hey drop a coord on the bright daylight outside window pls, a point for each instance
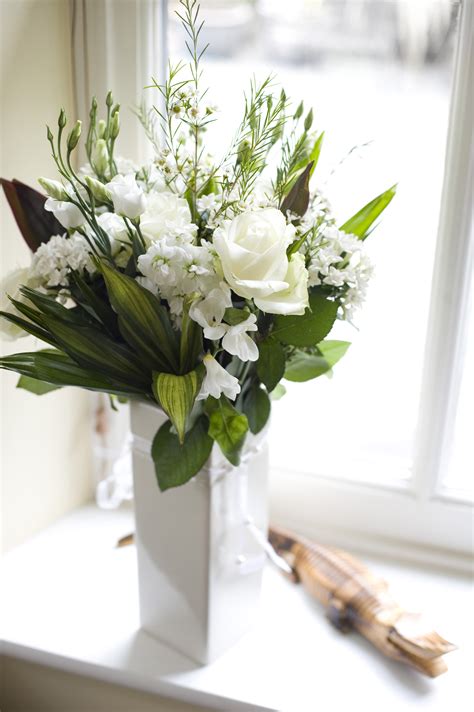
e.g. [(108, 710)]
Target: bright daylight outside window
[(378, 75)]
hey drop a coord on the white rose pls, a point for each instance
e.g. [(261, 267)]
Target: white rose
[(10, 287), (166, 215), (127, 197), (252, 249), (293, 299), (66, 213)]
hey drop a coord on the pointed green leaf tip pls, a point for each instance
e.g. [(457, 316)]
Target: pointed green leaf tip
[(176, 395), (360, 223)]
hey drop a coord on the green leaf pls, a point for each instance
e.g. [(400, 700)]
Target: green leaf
[(58, 369), (271, 362), (143, 321), (190, 347), (176, 395), (316, 152), (257, 408), (92, 349), (234, 316), (27, 325), (304, 366), (227, 427), (310, 328), (333, 351), (360, 223), (91, 302), (175, 464), (278, 392), (33, 385), (297, 200)]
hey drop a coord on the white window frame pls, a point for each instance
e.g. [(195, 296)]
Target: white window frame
[(417, 519)]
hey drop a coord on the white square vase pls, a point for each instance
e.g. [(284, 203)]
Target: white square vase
[(199, 560)]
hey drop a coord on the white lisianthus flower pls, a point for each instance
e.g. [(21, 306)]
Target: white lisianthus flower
[(66, 213), (209, 312), (127, 197), (167, 215), (217, 381), (252, 249), (294, 298), (10, 287), (238, 343), (116, 230)]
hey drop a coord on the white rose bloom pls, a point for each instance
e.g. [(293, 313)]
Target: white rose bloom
[(66, 213), (252, 248), (127, 196), (217, 381), (294, 298), (167, 215), (238, 343), (10, 287), (209, 312)]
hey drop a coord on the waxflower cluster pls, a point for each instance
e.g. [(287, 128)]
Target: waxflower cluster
[(218, 276)]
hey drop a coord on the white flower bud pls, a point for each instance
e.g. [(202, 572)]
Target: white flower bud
[(53, 188)]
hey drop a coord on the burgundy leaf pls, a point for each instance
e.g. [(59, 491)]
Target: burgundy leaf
[(27, 205)]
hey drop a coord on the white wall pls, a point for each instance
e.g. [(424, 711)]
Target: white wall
[(45, 443)]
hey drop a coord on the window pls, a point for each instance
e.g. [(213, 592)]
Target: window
[(379, 453)]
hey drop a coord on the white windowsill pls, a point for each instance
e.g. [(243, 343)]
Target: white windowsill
[(69, 601)]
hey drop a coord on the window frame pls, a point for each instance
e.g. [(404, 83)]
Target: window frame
[(416, 519)]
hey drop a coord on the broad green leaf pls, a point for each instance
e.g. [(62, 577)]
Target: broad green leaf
[(48, 306), (333, 351), (33, 385), (278, 392), (190, 346), (310, 328), (175, 464), (176, 395), (234, 316), (143, 321), (304, 366), (227, 427), (297, 200), (58, 369), (360, 223), (257, 408), (271, 362)]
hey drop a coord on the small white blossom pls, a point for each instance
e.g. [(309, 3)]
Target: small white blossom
[(238, 343), (210, 311), (53, 260), (217, 381)]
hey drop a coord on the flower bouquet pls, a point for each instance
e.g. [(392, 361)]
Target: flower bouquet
[(190, 284)]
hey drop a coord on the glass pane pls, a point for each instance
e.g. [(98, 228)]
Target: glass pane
[(459, 479), (378, 75)]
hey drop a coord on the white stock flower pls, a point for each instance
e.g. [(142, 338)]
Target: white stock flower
[(209, 312), (127, 196), (252, 249), (167, 215), (217, 381), (294, 298), (10, 287), (53, 260), (238, 343), (66, 213)]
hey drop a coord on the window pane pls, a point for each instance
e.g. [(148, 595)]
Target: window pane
[(378, 75), (459, 478)]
